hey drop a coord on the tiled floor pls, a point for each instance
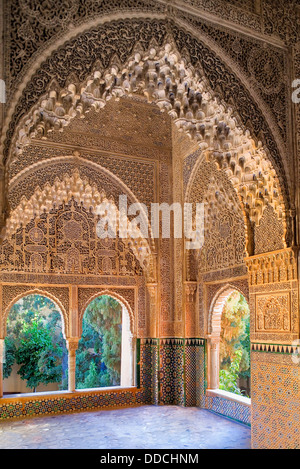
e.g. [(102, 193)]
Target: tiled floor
[(146, 427)]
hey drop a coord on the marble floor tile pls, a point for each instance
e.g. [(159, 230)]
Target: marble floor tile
[(147, 427)]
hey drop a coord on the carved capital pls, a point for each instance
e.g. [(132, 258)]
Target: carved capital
[(214, 342), (152, 289), (72, 344), (190, 292), (2, 350), (272, 267)]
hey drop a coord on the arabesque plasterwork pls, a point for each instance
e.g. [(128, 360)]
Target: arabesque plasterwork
[(185, 101)]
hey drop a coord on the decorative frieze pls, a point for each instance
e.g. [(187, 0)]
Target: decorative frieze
[(272, 267), (274, 302)]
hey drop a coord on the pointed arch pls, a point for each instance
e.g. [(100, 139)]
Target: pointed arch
[(180, 89), (46, 294), (182, 33), (217, 306), (119, 298), (83, 191)]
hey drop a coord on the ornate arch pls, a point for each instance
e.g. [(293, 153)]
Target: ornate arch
[(181, 90), (117, 297), (36, 291), (217, 306), (158, 74), (254, 180), (196, 47), (224, 224), (82, 190)]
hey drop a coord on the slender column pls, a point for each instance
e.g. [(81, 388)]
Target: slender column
[(133, 359), (72, 344), (2, 197), (214, 362), (2, 357), (152, 291), (190, 309), (127, 353)]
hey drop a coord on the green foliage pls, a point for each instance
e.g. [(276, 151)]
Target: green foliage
[(100, 345), (35, 342), (92, 378), (235, 337), (89, 349), (229, 377), (35, 355), (245, 344), (10, 356)]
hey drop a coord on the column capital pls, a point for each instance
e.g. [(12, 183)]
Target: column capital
[(2, 357), (152, 288), (190, 290), (72, 343), (213, 340), (2, 349)]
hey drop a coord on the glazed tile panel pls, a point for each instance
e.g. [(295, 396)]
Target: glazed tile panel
[(194, 373), (233, 410), (171, 354), (170, 372), (275, 401), (149, 370), (63, 403)]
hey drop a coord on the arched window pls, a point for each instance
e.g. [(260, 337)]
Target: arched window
[(105, 351), (234, 373), (229, 343), (35, 356)]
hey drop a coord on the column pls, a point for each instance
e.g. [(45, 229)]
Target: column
[(72, 344), (127, 351), (2, 195), (2, 358), (152, 323), (190, 309), (213, 362), (132, 345)]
